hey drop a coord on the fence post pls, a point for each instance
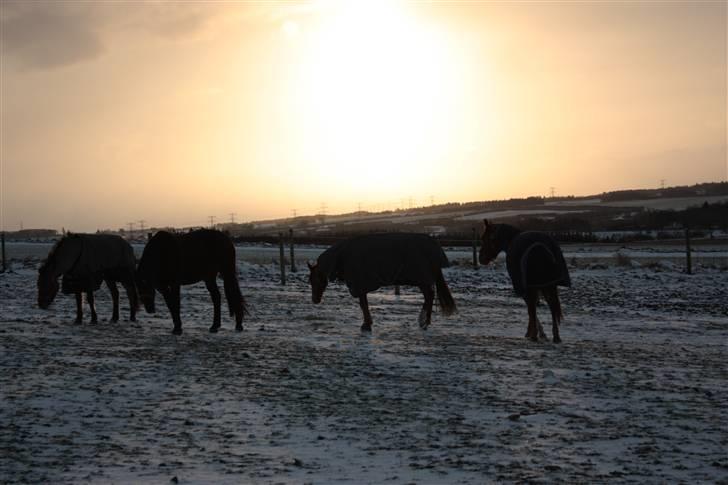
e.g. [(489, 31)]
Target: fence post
[(283, 258), (475, 250), (688, 256), (293, 258), (396, 290), (5, 266)]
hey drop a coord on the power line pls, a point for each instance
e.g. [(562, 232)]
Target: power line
[(552, 191), (232, 217), (141, 225), (212, 220)]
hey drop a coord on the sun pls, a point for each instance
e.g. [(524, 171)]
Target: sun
[(376, 91)]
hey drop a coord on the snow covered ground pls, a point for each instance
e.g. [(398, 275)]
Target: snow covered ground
[(637, 392)]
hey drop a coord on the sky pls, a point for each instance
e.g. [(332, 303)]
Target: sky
[(171, 112)]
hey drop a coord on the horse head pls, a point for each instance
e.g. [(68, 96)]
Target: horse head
[(318, 280), (47, 285), (490, 246), (146, 292)]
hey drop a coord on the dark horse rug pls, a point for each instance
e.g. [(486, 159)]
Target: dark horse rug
[(100, 256), (367, 263), (534, 260)]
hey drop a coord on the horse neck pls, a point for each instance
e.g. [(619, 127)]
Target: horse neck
[(327, 261), (66, 255), (506, 234)]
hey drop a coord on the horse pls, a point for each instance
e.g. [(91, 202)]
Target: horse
[(84, 261), (366, 263), (536, 266), (172, 260)]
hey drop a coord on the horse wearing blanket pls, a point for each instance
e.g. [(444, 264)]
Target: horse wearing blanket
[(535, 264), (84, 261), (366, 263)]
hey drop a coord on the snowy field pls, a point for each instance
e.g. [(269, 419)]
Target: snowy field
[(636, 393)]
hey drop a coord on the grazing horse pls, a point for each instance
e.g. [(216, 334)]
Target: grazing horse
[(172, 260), (84, 261), (535, 264), (366, 263)]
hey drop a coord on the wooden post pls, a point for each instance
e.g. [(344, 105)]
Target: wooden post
[(396, 290), (688, 256), (5, 266), (475, 250), (293, 258), (283, 258)]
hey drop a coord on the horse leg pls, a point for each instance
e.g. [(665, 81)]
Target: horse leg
[(90, 298), (551, 294), (171, 298), (114, 298), (364, 304), (211, 285), (426, 312), (79, 308), (131, 294), (531, 301)]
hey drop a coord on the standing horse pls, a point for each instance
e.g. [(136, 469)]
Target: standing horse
[(172, 260), (366, 263), (84, 261), (535, 264)]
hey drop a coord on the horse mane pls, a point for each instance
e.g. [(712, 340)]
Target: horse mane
[(328, 260), (52, 253)]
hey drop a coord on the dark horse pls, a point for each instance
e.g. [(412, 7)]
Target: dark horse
[(535, 264), (172, 260), (84, 261), (366, 263)]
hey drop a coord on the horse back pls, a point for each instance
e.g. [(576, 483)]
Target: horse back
[(187, 258), (367, 263)]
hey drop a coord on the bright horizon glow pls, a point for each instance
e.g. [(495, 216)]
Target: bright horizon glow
[(171, 112), (375, 92)]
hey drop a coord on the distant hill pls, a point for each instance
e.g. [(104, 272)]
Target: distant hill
[(702, 205)]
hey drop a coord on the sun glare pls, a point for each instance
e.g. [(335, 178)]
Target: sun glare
[(376, 90)]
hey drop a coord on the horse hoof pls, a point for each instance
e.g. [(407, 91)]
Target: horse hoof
[(238, 328), (132, 319), (214, 329), (557, 340), (177, 331), (366, 329), (77, 322)]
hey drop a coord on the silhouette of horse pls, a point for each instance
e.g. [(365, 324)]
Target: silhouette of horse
[(84, 261), (535, 264), (172, 260), (366, 263)]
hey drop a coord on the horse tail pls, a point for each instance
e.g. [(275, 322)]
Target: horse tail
[(235, 300), (447, 303), (551, 295)]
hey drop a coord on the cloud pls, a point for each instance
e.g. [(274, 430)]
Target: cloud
[(43, 36)]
